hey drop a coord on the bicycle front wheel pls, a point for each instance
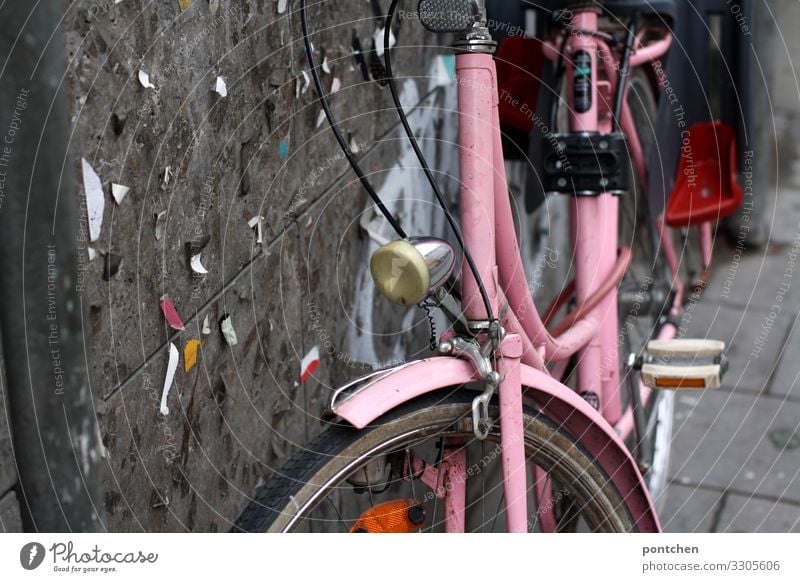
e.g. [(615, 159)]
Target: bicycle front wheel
[(328, 487)]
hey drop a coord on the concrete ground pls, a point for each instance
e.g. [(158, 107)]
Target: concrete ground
[(735, 463), (736, 451)]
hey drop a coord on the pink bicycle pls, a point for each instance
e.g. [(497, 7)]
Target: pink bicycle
[(513, 426)]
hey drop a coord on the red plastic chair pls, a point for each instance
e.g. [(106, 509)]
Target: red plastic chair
[(706, 188)]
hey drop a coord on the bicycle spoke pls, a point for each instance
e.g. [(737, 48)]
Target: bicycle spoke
[(338, 513), (483, 485), (538, 506), (497, 511)]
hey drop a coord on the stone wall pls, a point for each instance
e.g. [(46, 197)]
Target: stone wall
[(211, 163)]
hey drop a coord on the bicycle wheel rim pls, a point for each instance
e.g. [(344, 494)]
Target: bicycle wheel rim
[(548, 445)]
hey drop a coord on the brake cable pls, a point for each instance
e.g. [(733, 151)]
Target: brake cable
[(335, 126), (404, 121), (424, 164)]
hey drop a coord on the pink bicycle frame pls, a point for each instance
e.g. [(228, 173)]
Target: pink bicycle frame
[(523, 356), (489, 232)]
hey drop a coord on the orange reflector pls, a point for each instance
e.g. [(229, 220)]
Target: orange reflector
[(398, 516), (680, 382)]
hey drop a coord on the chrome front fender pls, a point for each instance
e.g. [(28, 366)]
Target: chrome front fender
[(366, 399)]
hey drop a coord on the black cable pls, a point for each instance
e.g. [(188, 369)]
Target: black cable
[(624, 71), (428, 308), (335, 126), (559, 80), (424, 164)]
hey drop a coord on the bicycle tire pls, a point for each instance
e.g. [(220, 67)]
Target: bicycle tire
[(280, 504)]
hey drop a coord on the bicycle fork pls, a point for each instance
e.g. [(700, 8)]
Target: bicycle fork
[(512, 448), (512, 440)]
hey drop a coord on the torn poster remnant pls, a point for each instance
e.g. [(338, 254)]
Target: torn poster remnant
[(144, 79), (190, 354), (309, 364), (197, 265), (95, 199), (257, 224), (226, 327), (171, 314), (161, 219), (380, 38), (193, 249), (220, 87), (172, 365), (118, 191)]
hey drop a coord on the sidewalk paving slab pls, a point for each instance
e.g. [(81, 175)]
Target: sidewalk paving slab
[(752, 280), (753, 341), (786, 379), (689, 509), (742, 513), (726, 440)]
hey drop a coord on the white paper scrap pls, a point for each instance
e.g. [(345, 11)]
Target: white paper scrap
[(226, 326), (92, 253), (95, 200), (257, 222), (118, 191), (172, 365), (144, 79), (326, 68), (220, 87), (282, 4), (336, 84), (197, 266), (380, 38), (206, 327), (161, 219)]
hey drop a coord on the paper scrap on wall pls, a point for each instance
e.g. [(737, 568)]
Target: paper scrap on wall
[(226, 327), (95, 200), (220, 87), (257, 224), (172, 365), (190, 354), (144, 79), (118, 191), (309, 364), (171, 314)]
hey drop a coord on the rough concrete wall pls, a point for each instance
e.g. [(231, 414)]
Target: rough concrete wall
[(9, 505), (241, 411)]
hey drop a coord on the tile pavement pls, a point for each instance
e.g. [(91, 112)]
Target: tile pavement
[(735, 462)]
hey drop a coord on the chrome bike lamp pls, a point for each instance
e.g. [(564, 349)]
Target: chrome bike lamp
[(407, 271)]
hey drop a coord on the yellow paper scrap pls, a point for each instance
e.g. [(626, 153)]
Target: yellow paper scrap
[(184, 4), (190, 354)]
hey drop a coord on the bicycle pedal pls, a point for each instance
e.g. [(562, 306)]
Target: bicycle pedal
[(684, 364)]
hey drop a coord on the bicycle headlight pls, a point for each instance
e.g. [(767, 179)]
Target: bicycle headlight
[(409, 270)]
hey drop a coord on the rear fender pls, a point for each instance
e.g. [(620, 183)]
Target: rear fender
[(366, 399)]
